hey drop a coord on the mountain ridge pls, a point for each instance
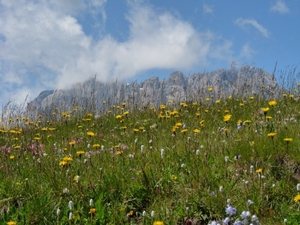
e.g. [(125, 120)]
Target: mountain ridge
[(92, 93)]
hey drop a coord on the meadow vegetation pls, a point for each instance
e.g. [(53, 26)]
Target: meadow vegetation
[(233, 160)]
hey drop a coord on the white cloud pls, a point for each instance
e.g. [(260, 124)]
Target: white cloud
[(280, 7), (44, 46), (207, 8), (243, 22)]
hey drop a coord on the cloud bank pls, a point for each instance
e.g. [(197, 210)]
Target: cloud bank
[(44, 46)]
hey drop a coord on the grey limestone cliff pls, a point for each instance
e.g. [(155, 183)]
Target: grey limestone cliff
[(177, 87)]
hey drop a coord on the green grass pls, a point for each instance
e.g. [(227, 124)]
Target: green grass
[(191, 179)]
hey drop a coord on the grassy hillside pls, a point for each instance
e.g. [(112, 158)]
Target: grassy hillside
[(227, 159)]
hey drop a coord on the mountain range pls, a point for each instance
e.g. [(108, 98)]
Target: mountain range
[(92, 94)]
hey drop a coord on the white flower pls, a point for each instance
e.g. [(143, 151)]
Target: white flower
[(57, 211), (226, 158), (182, 165), (162, 153), (197, 152), (144, 213), (91, 202), (66, 191), (70, 216), (142, 149), (71, 205), (298, 187), (221, 189), (152, 214)]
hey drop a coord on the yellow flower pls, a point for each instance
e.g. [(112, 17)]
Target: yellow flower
[(265, 110), (184, 131), (158, 223), (227, 118), (96, 145), (11, 223), (210, 89), (135, 130), (72, 143), (288, 139), (11, 157), (173, 177), (90, 133), (196, 131), (80, 153), (218, 101), (119, 152), (76, 178), (272, 103), (297, 198), (67, 159), (162, 106), (63, 163), (258, 170), (92, 211), (271, 134)]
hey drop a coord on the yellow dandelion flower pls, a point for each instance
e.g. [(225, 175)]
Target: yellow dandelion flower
[(96, 145), (271, 134), (297, 198), (11, 223), (80, 153), (272, 103), (92, 211), (184, 131), (196, 131), (258, 170), (265, 110), (11, 157), (119, 152), (210, 89), (173, 177), (158, 223), (288, 139), (90, 134)]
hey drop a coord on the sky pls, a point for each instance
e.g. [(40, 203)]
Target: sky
[(53, 44)]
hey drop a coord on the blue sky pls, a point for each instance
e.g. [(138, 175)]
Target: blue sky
[(50, 44)]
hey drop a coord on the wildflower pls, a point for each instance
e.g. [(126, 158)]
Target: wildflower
[(288, 140), (173, 177), (11, 157), (91, 202), (265, 110), (226, 118), (119, 152), (96, 145), (184, 131), (71, 205), (226, 220), (158, 223), (58, 212), (162, 153), (162, 106), (210, 89), (298, 187), (92, 211), (152, 214), (72, 143), (258, 170), (230, 210), (80, 153), (90, 134), (297, 198), (70, 216), (11, 223), (196, 131), (271, 134), (76, 178), (272, 103), (144, 213)]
